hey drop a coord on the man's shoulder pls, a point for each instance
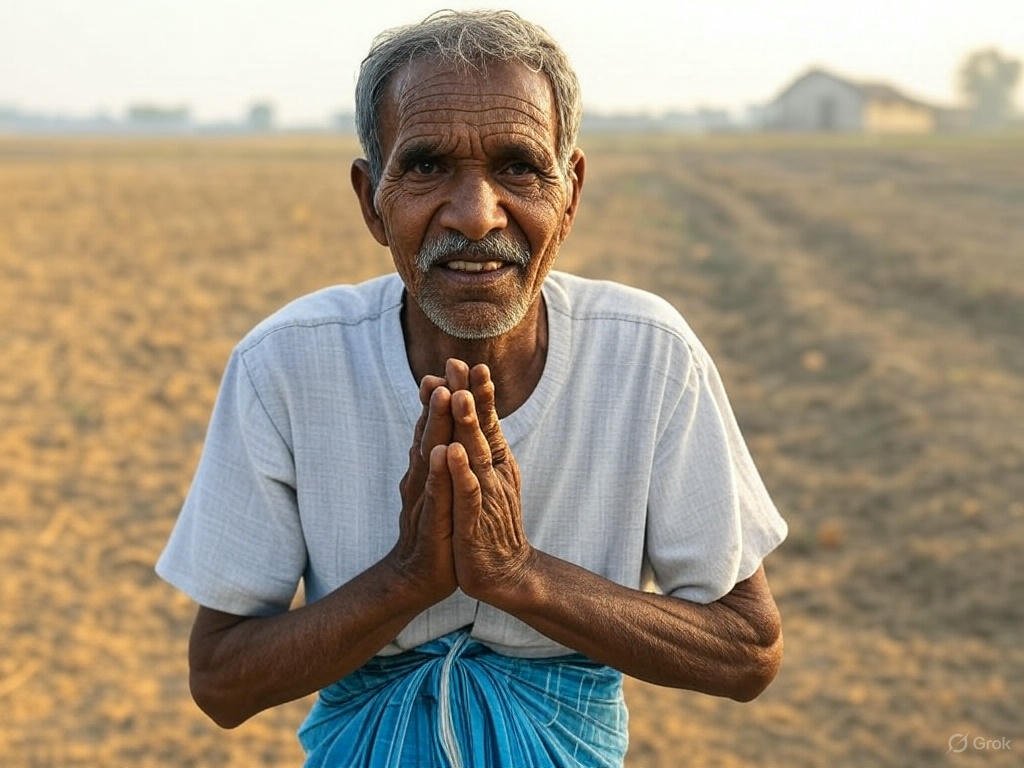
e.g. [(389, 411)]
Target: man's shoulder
[(609, 303), (355, 307), (612, 319)]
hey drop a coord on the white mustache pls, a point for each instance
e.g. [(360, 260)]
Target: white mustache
[(452, 245)]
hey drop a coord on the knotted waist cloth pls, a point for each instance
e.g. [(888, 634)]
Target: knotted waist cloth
[(455, 703)]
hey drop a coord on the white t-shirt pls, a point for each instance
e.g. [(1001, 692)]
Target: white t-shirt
[(632, 464)]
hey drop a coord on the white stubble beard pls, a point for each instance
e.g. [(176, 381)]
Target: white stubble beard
[(503, 317)]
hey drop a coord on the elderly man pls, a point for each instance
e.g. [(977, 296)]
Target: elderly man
[(472, 600)]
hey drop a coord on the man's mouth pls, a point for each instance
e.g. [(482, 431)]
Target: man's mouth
[(456, 254), (474, 266)]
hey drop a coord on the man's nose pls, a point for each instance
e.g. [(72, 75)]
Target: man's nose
[(474, 207)]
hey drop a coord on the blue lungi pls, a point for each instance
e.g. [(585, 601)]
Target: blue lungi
[(455, 703)]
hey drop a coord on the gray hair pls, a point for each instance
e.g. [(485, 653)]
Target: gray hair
[(466, 39)]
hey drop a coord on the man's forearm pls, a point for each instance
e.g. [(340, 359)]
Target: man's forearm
[(243, 665), (731, 647)]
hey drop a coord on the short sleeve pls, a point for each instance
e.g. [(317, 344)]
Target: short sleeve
[(710, 519), (238, 545)]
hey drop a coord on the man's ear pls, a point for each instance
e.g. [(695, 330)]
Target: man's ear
[(576, 172), (363, 186)]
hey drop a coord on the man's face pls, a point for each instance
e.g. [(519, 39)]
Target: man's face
[(472, 201)]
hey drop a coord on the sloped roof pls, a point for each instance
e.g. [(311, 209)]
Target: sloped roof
[(872, 91)]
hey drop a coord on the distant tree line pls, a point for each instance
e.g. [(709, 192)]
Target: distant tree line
[(988, 81)]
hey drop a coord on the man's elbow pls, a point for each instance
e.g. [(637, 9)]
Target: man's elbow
[(215, 702), (761, 666)]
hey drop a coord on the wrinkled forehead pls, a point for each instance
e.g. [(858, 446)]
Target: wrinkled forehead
[(425, 95)]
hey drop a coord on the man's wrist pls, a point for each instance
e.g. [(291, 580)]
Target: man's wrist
[(523, 586), (409, 589)]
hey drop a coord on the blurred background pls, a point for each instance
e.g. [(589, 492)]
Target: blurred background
[(832, 194)]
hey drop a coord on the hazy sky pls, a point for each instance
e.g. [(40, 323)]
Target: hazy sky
[(217, 56)]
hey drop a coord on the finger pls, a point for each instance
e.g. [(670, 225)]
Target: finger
[(467, 432), (412, 482), (456, 373), (482, 387), (438, 427), (436, 518), (427, 386), (464, 484), (423, 438)]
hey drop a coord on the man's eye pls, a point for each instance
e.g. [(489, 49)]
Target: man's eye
[(519, 169), (426, 167)]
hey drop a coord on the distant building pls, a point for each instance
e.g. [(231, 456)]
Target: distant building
[(14, 121), (821, 101), (703, 120), (152, 118), (344, 122), (261, 117)]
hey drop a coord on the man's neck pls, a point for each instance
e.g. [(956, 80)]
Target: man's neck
[(515, 359)]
